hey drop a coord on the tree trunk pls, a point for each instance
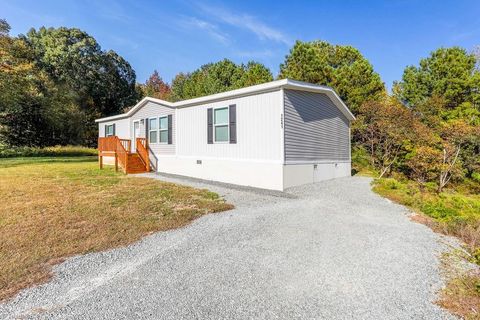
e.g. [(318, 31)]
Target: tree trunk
[(384, 170), (445, 174)]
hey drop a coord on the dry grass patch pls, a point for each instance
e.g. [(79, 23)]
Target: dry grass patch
[(53, 208), (462, 296)]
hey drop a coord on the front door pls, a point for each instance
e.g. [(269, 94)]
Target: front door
[(136, 134)]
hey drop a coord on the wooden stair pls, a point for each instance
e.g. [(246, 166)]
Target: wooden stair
[(135, 164), (130, 162)]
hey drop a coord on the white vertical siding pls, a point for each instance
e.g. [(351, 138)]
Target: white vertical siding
[(258, 130), (122, 128), (155, 110)]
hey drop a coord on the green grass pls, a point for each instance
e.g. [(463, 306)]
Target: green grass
[(56, 151), (448, 207), (456, 213), (55, 207)]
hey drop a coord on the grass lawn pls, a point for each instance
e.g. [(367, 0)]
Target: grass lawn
[(53, 208)]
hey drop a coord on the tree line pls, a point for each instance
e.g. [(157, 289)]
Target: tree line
[(427, 129), (55, 82)]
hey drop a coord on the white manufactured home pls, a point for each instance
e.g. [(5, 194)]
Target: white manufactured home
[(274, 136)]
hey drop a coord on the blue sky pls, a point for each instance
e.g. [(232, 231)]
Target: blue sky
[(174, 36)]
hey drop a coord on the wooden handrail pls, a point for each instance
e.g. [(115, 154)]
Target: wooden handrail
[(122, 155), (142, 150)]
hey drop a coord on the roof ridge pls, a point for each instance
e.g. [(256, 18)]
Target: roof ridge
[(272, 85)]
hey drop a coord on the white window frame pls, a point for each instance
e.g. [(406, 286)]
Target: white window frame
[(150, 130), (221, 125), (106, 130), (160, 130)]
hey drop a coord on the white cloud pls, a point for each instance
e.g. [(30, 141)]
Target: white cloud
[(210, 28), (248, 22)]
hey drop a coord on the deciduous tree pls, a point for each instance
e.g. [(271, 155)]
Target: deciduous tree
[(218, 77), (22, 93), (55, 82), (455, 134), (155, 87), (383, 128), (100, 83), (74, 58)]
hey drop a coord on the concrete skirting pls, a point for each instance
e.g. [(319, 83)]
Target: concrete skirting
[(264, 175), (298, 174)]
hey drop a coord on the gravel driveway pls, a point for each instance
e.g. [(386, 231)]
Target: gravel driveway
[(334, 250)]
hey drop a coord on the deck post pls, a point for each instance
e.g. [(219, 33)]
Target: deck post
[(116, 162), (147, 161)]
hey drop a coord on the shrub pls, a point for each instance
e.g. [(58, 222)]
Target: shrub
[(476, 177), (56, 151), (361, 162), (454, 213), (438, 210)]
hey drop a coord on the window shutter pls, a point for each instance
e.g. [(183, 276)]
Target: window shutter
[(146, 129), (113, 129), (210, 125), (105, 132), (169, 129), (232, 115)]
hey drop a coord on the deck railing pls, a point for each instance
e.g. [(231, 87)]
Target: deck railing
[(116, 147), (121, 156), (142, 150), (107, 144), (126, 143)]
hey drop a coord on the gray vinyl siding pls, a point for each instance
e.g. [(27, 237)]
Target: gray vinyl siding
[(315, 129), (155, 110)]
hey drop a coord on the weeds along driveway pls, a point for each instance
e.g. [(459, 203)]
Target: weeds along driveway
[(334, 250)]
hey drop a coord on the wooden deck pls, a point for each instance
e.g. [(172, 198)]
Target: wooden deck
[(120, 149)]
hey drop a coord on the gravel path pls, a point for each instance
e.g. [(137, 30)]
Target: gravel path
[(334, 250)]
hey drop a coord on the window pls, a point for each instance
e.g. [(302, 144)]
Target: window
[(163, 130), (152, 130), (158, 130), (220, 123), (109, 130)]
